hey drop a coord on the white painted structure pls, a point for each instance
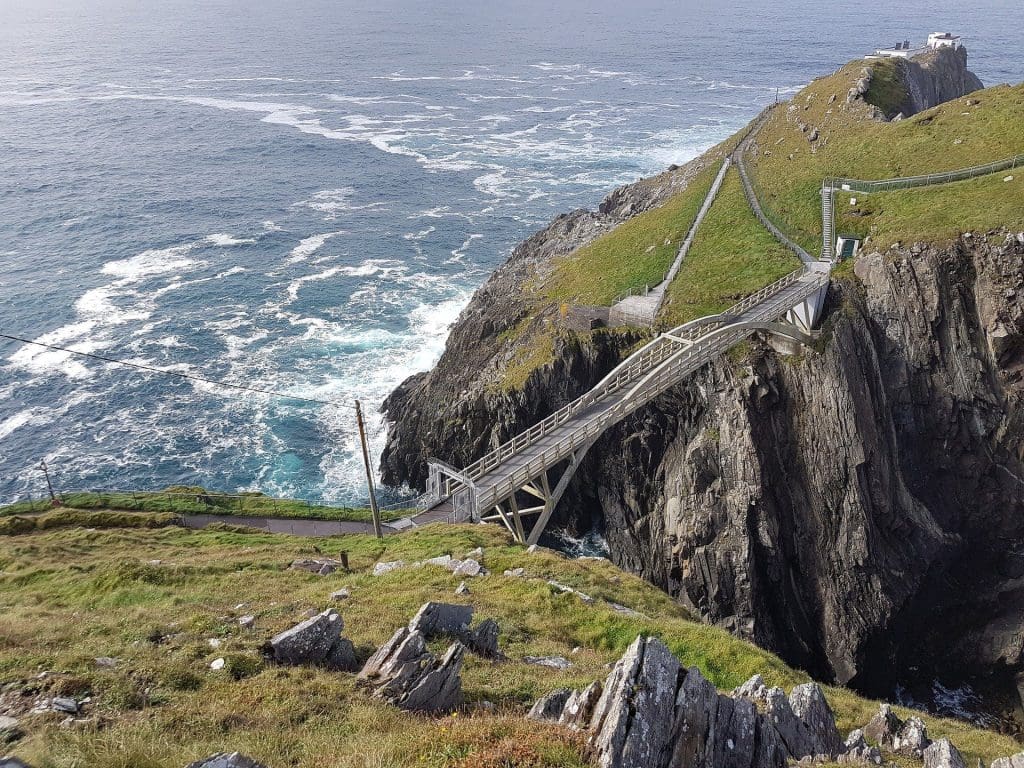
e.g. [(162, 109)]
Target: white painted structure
[(903, 50), (944, 40)]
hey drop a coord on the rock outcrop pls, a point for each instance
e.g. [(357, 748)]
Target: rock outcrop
[(933, 78), (652, 713), (942, 754), (316, 640), (434, 619), (404, 673)]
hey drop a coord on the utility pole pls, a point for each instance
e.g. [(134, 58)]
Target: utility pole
[(369, 473), (49, 485)]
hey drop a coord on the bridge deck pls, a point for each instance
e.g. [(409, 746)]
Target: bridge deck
[(590, 421)]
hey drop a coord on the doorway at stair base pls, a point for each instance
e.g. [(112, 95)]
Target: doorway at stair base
[(847, 246)]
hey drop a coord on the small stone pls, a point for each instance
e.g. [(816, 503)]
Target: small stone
[(341, 594), (475, 554), (554, 662), (1007, 178), (469, 567), (241, 606), (533, 549), (516, 573), (64, 704), (12, 762), (442, 561), (247, 622), (462, 589), (225, 760), (217, 664), (106, 662), (213, 642), (381, 568)]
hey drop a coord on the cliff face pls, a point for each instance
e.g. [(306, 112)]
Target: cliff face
[(933, 78), (849, 507), (857, 508)]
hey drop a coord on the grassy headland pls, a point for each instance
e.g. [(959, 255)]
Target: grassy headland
[(155, 599)]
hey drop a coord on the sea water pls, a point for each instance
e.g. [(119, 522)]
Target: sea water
[(302, 197)]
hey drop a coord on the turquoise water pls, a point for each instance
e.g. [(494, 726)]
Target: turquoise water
[(303, 196)]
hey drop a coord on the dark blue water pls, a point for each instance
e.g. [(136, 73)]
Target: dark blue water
[(302, 196)]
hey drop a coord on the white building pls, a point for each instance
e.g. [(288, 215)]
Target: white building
[(904, 51), (944, 40)]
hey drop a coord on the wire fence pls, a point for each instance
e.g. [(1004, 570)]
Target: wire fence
[(198, 501), (866, 186)]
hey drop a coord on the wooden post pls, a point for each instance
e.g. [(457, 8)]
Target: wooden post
[(378, 532), (49, 485)]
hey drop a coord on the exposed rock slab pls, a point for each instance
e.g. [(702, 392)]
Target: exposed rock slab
[(316, 640), (404, 673), (226, 760)]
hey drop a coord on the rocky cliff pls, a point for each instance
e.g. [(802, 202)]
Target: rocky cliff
[(935, 77), (856, 508)]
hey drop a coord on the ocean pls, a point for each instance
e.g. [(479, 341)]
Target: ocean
[(301, 197)]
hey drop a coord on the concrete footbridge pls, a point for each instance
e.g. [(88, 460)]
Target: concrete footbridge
[(490, 489)]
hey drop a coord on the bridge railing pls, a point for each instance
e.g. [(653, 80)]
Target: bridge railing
[(714, 340), (635, 366), (944, 177)]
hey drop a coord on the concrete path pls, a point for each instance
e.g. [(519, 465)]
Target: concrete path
[(297, 527)]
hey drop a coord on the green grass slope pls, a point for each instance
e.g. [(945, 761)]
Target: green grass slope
[(789, 168), (731, 256), (153, 599)]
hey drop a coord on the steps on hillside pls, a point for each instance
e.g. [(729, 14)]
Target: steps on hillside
[(828, 237)]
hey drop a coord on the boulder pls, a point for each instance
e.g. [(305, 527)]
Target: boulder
[(754, 689), (10, 730), (225, 760), (629, 726), (444, 561), (696, 713), (856, 750), (809, 704), (942, 754), (579, 708), (381, 568), (735, 734), (796, 736), (883, 727), (64, 704), (912, 738), (483, 640), (314, 641), (404, 673), (1015, 761), (434, 619), (343, 656), (469, 567), (551, 706)]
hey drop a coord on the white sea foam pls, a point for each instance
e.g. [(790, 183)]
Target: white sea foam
[(310, 245), (152, 262), (223, 240)]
